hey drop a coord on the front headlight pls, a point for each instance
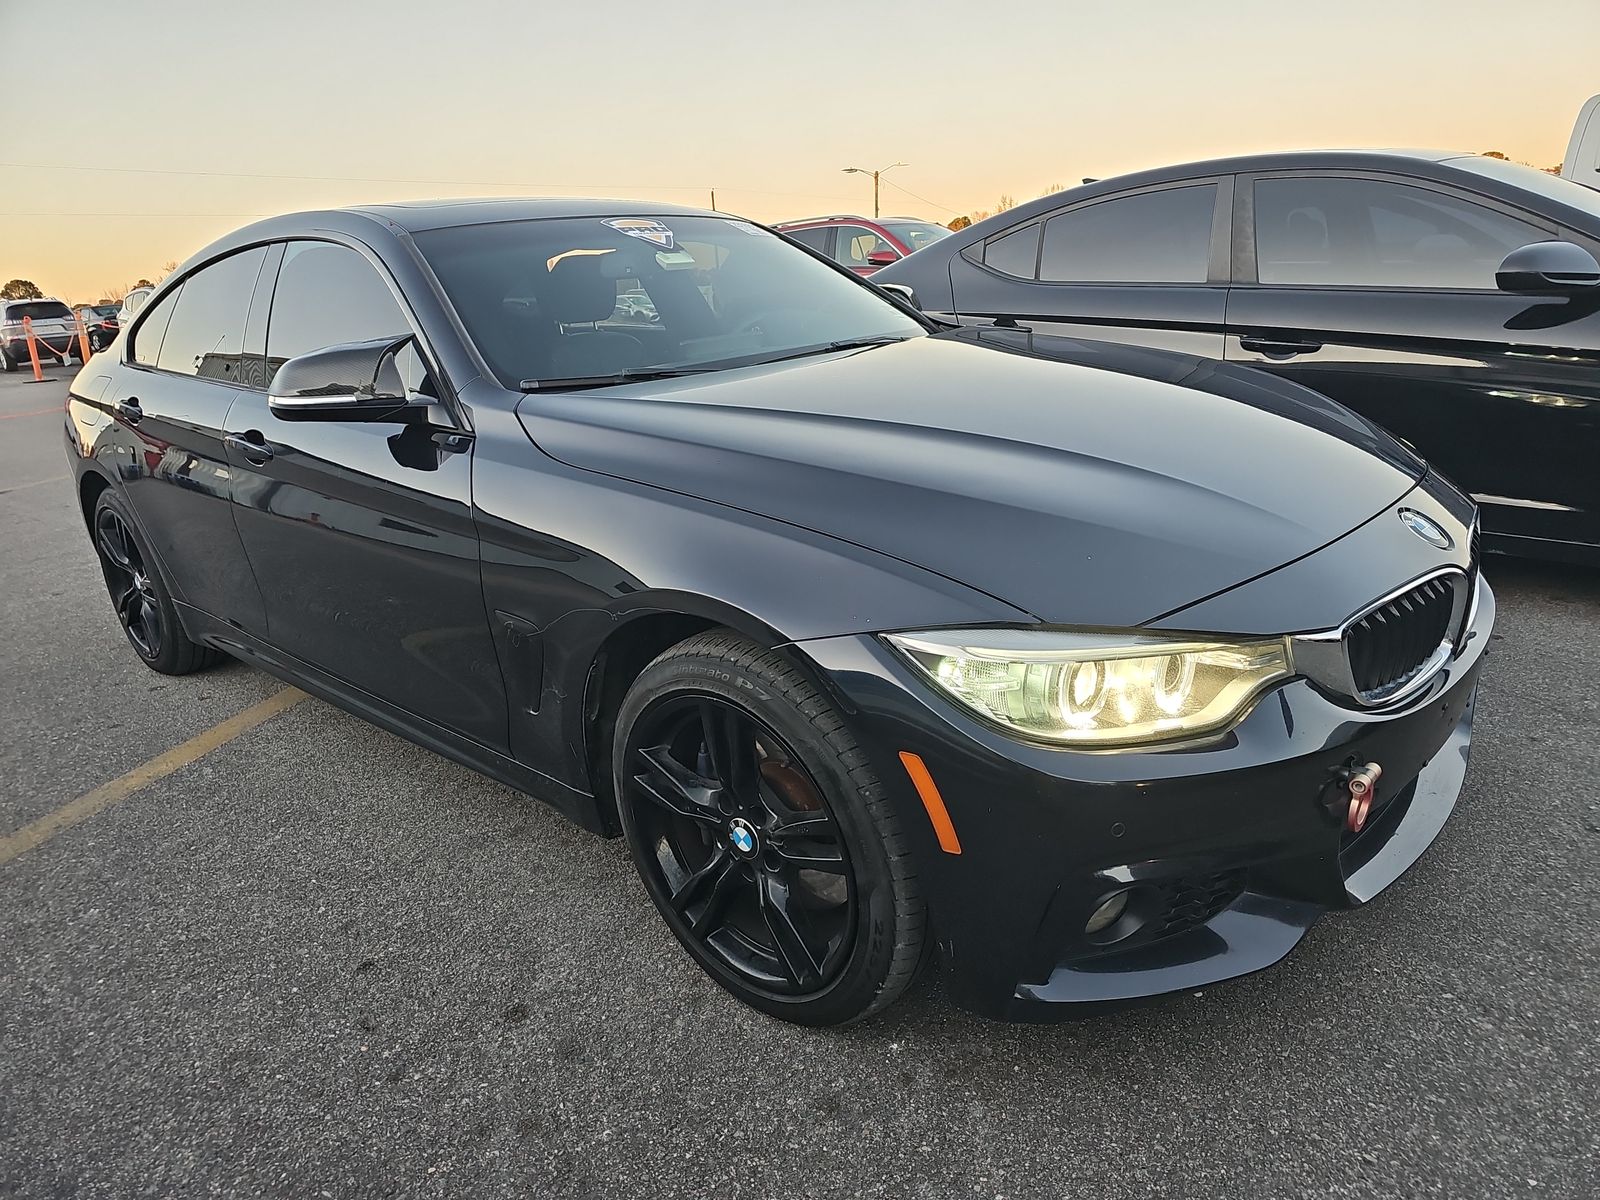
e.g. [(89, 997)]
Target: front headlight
[(1095, 689)]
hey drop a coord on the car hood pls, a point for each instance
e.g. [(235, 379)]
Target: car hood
[(1083, 496)]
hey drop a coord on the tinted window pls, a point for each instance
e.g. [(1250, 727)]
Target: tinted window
[(147, 337), (1153, 237), (916, 234), (328, 295), (1371, 233), (816, 238), (1015, 253), (205, 335), (38, 310), (540, 298)]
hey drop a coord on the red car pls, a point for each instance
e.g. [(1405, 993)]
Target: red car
[(862, 243)]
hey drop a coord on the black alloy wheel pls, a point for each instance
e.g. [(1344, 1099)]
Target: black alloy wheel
[(132, 589), (778, 866), (748, 851), (139, 594)]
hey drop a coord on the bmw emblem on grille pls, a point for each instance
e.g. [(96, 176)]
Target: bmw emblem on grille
[(742, 836), (1426, 528)]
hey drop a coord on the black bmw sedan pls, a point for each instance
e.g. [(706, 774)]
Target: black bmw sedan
[(1452, 298), (877, 643)]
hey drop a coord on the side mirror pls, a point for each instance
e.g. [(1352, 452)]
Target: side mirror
[(882, 258), (358, 381), (1548, 269), (900, 292)]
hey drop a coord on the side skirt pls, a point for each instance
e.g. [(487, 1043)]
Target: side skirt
[(580, 807)]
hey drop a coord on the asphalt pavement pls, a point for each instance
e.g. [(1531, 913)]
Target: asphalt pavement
[(320, 961)]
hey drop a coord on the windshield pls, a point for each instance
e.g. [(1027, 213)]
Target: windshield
[(578, 298), (1531, 179), (916, 234)]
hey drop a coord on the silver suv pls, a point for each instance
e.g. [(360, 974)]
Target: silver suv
[(55, 331), (131, 304)]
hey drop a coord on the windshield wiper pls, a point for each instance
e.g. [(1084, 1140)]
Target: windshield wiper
[(844, 344), (571, 383)]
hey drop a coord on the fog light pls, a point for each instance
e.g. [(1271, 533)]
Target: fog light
[(1106, 915)]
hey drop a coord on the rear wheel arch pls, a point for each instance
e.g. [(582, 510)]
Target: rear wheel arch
[(89, 489)]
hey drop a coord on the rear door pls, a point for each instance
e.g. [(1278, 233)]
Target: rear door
[(184, 373), (361, 534), (853, 243), (1148, 266), (1379, 291), (818, 237)]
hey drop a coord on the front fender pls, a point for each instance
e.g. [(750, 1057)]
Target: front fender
[(569, 556)]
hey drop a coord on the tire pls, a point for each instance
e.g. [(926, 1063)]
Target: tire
[(7, 363), (139, 594), (818, 919)]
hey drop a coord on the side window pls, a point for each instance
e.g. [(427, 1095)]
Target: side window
[(1151, 237), (1015, 253), (854, 243), (328, 295), (147, 337), (816, 238), (205, 334), (1373, 233)]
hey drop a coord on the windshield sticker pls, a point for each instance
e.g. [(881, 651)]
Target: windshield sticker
[(643, 228), (745, 227)]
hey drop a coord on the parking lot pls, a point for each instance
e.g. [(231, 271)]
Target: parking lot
[(317, 960)]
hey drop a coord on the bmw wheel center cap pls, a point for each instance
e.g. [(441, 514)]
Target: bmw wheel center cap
[(742, 836)]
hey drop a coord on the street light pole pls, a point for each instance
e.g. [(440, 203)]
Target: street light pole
[(874, 174)]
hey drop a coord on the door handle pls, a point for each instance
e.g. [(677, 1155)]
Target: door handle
[(130, 411), (252, 449), (1278, 347)]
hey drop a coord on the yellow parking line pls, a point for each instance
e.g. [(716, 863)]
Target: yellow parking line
[(34, 835)]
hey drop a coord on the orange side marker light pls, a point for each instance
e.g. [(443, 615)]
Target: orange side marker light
[(938, 815)]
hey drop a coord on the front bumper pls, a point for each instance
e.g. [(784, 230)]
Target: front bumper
[(1232, 850)]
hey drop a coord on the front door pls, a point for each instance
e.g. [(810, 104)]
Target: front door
[(361, 534), (1380, 293), (171, 411), (1148, 267)]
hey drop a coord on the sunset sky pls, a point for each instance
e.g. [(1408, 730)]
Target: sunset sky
[(165, 123)]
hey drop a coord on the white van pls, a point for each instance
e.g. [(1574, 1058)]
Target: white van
[(1582, 161)]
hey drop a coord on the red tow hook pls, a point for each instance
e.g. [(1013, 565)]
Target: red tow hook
[(1362, 786)]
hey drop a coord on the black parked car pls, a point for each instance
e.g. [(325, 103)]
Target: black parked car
[(869, 638), (1451, 298), (99, 324)]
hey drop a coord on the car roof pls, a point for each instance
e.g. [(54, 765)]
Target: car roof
[(1433, 162), (417, 215), (1274, 160), (832, 217)]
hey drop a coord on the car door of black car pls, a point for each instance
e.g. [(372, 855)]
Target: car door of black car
[(182, 375), (1148, 266), (361, 534), (1379, 291)]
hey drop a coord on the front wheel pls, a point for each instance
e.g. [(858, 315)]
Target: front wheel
[(139, 595), (763, 835)]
